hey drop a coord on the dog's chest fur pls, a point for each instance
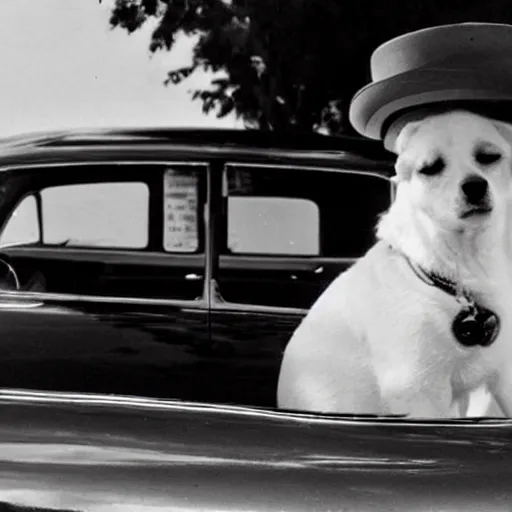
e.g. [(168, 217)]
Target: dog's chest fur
[(420, 367)]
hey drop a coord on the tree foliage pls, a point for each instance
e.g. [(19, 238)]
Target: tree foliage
[(289, 64)]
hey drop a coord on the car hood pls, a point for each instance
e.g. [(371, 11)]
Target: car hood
[(94, 453)]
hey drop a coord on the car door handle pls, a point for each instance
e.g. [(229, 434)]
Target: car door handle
[(193, 277), (317, 270)]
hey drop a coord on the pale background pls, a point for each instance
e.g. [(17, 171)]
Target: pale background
[(62, 66)]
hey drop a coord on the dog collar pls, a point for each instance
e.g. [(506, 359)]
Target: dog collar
[(474, 324)]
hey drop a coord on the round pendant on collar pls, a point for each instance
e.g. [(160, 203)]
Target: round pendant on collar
[(476, 326)]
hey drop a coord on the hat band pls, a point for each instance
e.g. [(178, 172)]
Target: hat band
[(391, 128)]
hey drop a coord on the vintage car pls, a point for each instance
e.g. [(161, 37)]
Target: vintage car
[(173, 263), (150, 281)]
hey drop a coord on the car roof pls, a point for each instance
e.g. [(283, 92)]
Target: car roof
[(76, 144)]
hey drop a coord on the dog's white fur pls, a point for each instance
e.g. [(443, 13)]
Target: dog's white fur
[(378, 340)]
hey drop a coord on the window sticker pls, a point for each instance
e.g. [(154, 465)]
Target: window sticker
[(180, 211)]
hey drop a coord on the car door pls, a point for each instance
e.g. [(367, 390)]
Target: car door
[(110, 260), (286, 233)]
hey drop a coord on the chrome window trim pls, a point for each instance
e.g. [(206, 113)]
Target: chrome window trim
[(295, 262), (14, 297), (95, 163), (306, 167)]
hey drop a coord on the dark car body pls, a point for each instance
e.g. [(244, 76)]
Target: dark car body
[(98, 453), (190, 318), (174, 263)]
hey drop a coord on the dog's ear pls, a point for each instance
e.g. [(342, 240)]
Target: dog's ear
[(405, 136), (402, 165), (403, 170), (505, 130)]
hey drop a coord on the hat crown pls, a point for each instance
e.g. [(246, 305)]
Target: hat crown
[(459, 46)]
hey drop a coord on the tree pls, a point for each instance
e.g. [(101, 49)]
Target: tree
[(289, 65)]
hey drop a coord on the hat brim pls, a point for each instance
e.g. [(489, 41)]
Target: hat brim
[(377, 102)]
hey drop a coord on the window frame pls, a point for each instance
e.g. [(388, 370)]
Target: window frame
[(39, 298), (218, 303)]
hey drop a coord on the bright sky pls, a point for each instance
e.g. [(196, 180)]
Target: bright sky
[(62, 66)]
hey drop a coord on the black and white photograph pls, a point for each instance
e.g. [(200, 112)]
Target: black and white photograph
[(255, 256)]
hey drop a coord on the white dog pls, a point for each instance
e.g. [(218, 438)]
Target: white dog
[(382, 338)]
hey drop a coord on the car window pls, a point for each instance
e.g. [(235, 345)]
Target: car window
[(123, 230), (114, 215), (23, 225), (303, 212), (304, 225), (96, 215), (277, 225), (88, 215)]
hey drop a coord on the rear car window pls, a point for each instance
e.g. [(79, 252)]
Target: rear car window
[(96, 215), (107, 213), (113, 215)]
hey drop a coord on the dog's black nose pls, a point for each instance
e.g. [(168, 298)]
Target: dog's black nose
[(474, 189)]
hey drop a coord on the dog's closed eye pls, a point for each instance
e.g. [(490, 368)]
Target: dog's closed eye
[(433, 168), (486, 156)]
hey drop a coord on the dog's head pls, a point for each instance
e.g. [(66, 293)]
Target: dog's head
[(456, 168)]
